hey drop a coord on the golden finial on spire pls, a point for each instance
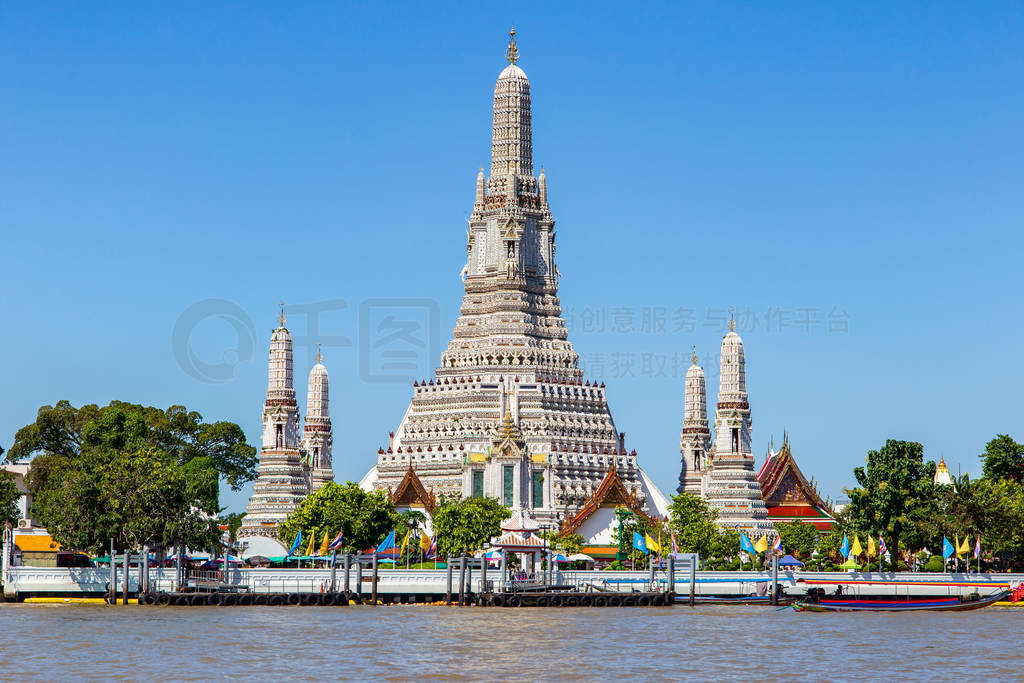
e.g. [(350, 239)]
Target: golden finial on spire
[(732, 319), (319, 356), (512, 53), (694, 354), (282, 314)]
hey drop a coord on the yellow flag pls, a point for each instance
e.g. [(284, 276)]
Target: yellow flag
[(855, 549), (424, 542), (312, 544), (871, 546), (962, 548), (652, 545), (761, 544), (323, 546), (405, 541)]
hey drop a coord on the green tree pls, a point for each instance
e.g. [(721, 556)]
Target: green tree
[(1003, 459), (693, 520), (114, 484), (233, 521), (894, 494), (364, 518), (571, 543), (9, 495), (64, 430), (798, 538), (464, 526)]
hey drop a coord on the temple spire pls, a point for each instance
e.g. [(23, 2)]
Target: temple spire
[(512, 53), (511, 138), (281, 319)]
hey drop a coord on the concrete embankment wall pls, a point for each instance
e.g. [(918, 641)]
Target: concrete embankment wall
[(27, 581)]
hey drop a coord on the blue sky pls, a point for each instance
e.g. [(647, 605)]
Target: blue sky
[(847, 177)]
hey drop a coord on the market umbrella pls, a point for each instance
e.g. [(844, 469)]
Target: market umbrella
[(790, 561), (558, 557), (259, 561), (850, 564)]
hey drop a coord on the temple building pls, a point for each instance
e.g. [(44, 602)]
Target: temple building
[(290, 467), (509, 413), (942, 475), (787, 493), (724, 473)]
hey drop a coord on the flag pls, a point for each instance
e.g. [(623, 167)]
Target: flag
[(871, 546), (675, 548), (323, 546), (639, 544), (777, 545), (388, 542), (405, 541), (963, 549), (761, 545), (336, 543), (746, 546), (947, 548), (977, 548), (312, 544), (844, 549), (432, 550), (855, 549), (295, 543), (881, 545), (424, 542), (652, 545)]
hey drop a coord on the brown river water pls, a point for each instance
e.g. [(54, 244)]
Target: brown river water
[(58, 642)]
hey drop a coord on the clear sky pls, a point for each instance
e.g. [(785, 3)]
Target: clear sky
[(848, 177)]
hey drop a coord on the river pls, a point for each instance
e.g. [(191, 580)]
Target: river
[(476, 644)]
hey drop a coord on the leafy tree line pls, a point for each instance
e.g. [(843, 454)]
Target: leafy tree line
[(138, 474)]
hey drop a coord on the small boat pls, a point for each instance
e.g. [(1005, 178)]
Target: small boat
[(765, 600), (950, 604)]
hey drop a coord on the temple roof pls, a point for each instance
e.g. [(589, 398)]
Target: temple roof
[(610, 493), (788, 494), (412, 493)]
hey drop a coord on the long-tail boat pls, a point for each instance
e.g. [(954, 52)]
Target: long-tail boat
[(851, 604)]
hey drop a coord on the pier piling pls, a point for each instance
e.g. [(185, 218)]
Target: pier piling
[(113, 575), (775, 579), (373, 586), (348, 567), (448, 594), (462, 581)]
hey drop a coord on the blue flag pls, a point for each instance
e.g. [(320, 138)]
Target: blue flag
[(947, 548), (388, 542), (844, 549), (639, 543), (295, 543), (746, 546)]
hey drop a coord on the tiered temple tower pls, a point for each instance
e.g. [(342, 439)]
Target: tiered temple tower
[(509, 413), (282, 481), (695, 440), (317, 438), (732, 486)]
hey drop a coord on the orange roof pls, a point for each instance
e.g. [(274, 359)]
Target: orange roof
[(36, 544), (610, 493)]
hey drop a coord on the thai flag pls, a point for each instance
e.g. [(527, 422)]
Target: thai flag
[(881, 546), (336, 543), (675, 548), (432, 550), (777, 545)]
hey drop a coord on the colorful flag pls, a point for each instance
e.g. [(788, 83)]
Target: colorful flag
[(387, 543), (881, 546), (432, 550), (336, 543), (947, 548), (295, 543), (424, 541), (639, 544), (855, 549), (405, 541), (871, 546), (675, 548), (312, 544), (761, 545), (844, 549), (651, 544), (977, 548), (963, 549), (777, 545), (746, 546), (323, 546)]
